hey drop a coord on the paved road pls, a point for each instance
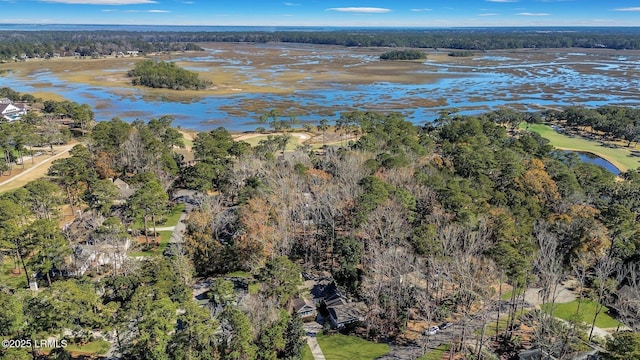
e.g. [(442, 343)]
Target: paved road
[(63, 151)]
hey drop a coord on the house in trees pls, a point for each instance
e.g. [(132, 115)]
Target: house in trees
[(334, 306), (535, 354), (321, 289), (343, 314), (305, 309), (124, 190), (96, 254), (11, 111)]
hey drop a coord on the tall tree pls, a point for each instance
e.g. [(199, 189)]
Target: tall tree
[(71, 173), (149, 201), (195, 338), (281, 277), (237, 339), (49, 246), (44, 198)]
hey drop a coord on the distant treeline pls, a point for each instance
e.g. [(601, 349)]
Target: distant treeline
[(167, 75), (461, 53), (403, 55), (85, 44), (15, 43)]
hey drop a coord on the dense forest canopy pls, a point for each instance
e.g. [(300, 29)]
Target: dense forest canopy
[(403, 55), (162, 74), (415, 223), (16, 43)]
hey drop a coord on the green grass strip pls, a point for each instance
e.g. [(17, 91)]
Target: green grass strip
[(342, 347), (436, 354), (620, 157), (567, 311)]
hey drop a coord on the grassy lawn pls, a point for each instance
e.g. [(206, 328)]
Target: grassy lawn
[(188, 143), (164, 240), (587, 309), (171, 220), (490, 328), (254, 288), (507, 295), (8, 278), (306, 352), (98, 347), (174, 216), (293, 142), (620, 157), (339, 347), (436, 354)]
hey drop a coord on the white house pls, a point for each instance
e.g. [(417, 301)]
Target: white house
[(11, 111)]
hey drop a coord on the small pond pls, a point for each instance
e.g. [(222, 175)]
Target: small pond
[(597, 160)]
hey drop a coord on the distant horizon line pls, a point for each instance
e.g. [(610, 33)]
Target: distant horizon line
[(329, 26)]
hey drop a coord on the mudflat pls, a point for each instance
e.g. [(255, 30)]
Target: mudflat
[(240, 68), (330, 79)]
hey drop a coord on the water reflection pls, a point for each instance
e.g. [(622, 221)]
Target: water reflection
[(490, 82)]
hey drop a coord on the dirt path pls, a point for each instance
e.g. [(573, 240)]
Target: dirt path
[(36, 171)]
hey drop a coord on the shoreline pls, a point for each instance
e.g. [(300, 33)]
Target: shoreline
[(618, 157)]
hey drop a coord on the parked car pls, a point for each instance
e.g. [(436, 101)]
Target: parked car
[(445, 325), (432, 330)]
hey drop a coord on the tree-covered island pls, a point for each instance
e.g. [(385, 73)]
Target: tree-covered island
[(166, 75), (408, 54)]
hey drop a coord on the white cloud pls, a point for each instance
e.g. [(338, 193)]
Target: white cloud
[(532, 14), (488, 14), (291, 4), (147, 11), (101, 2), (420, 10), (628, 9), (367, 10), (188, 2)]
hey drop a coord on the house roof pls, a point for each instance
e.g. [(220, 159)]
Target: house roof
[(123, 188), (535, 354), (6, 107), (301, 303), (324, 288), (349, 312), (334, 300)]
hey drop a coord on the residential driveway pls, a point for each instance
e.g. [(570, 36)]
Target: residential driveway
[(189, 199), (563, 295), (315, 348)]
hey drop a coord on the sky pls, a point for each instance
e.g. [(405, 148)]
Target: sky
[(357, 13)]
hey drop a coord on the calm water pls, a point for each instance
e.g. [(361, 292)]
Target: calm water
[(594, 159), (486, 82)]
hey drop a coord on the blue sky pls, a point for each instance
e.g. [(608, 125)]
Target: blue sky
[(424, 13)]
